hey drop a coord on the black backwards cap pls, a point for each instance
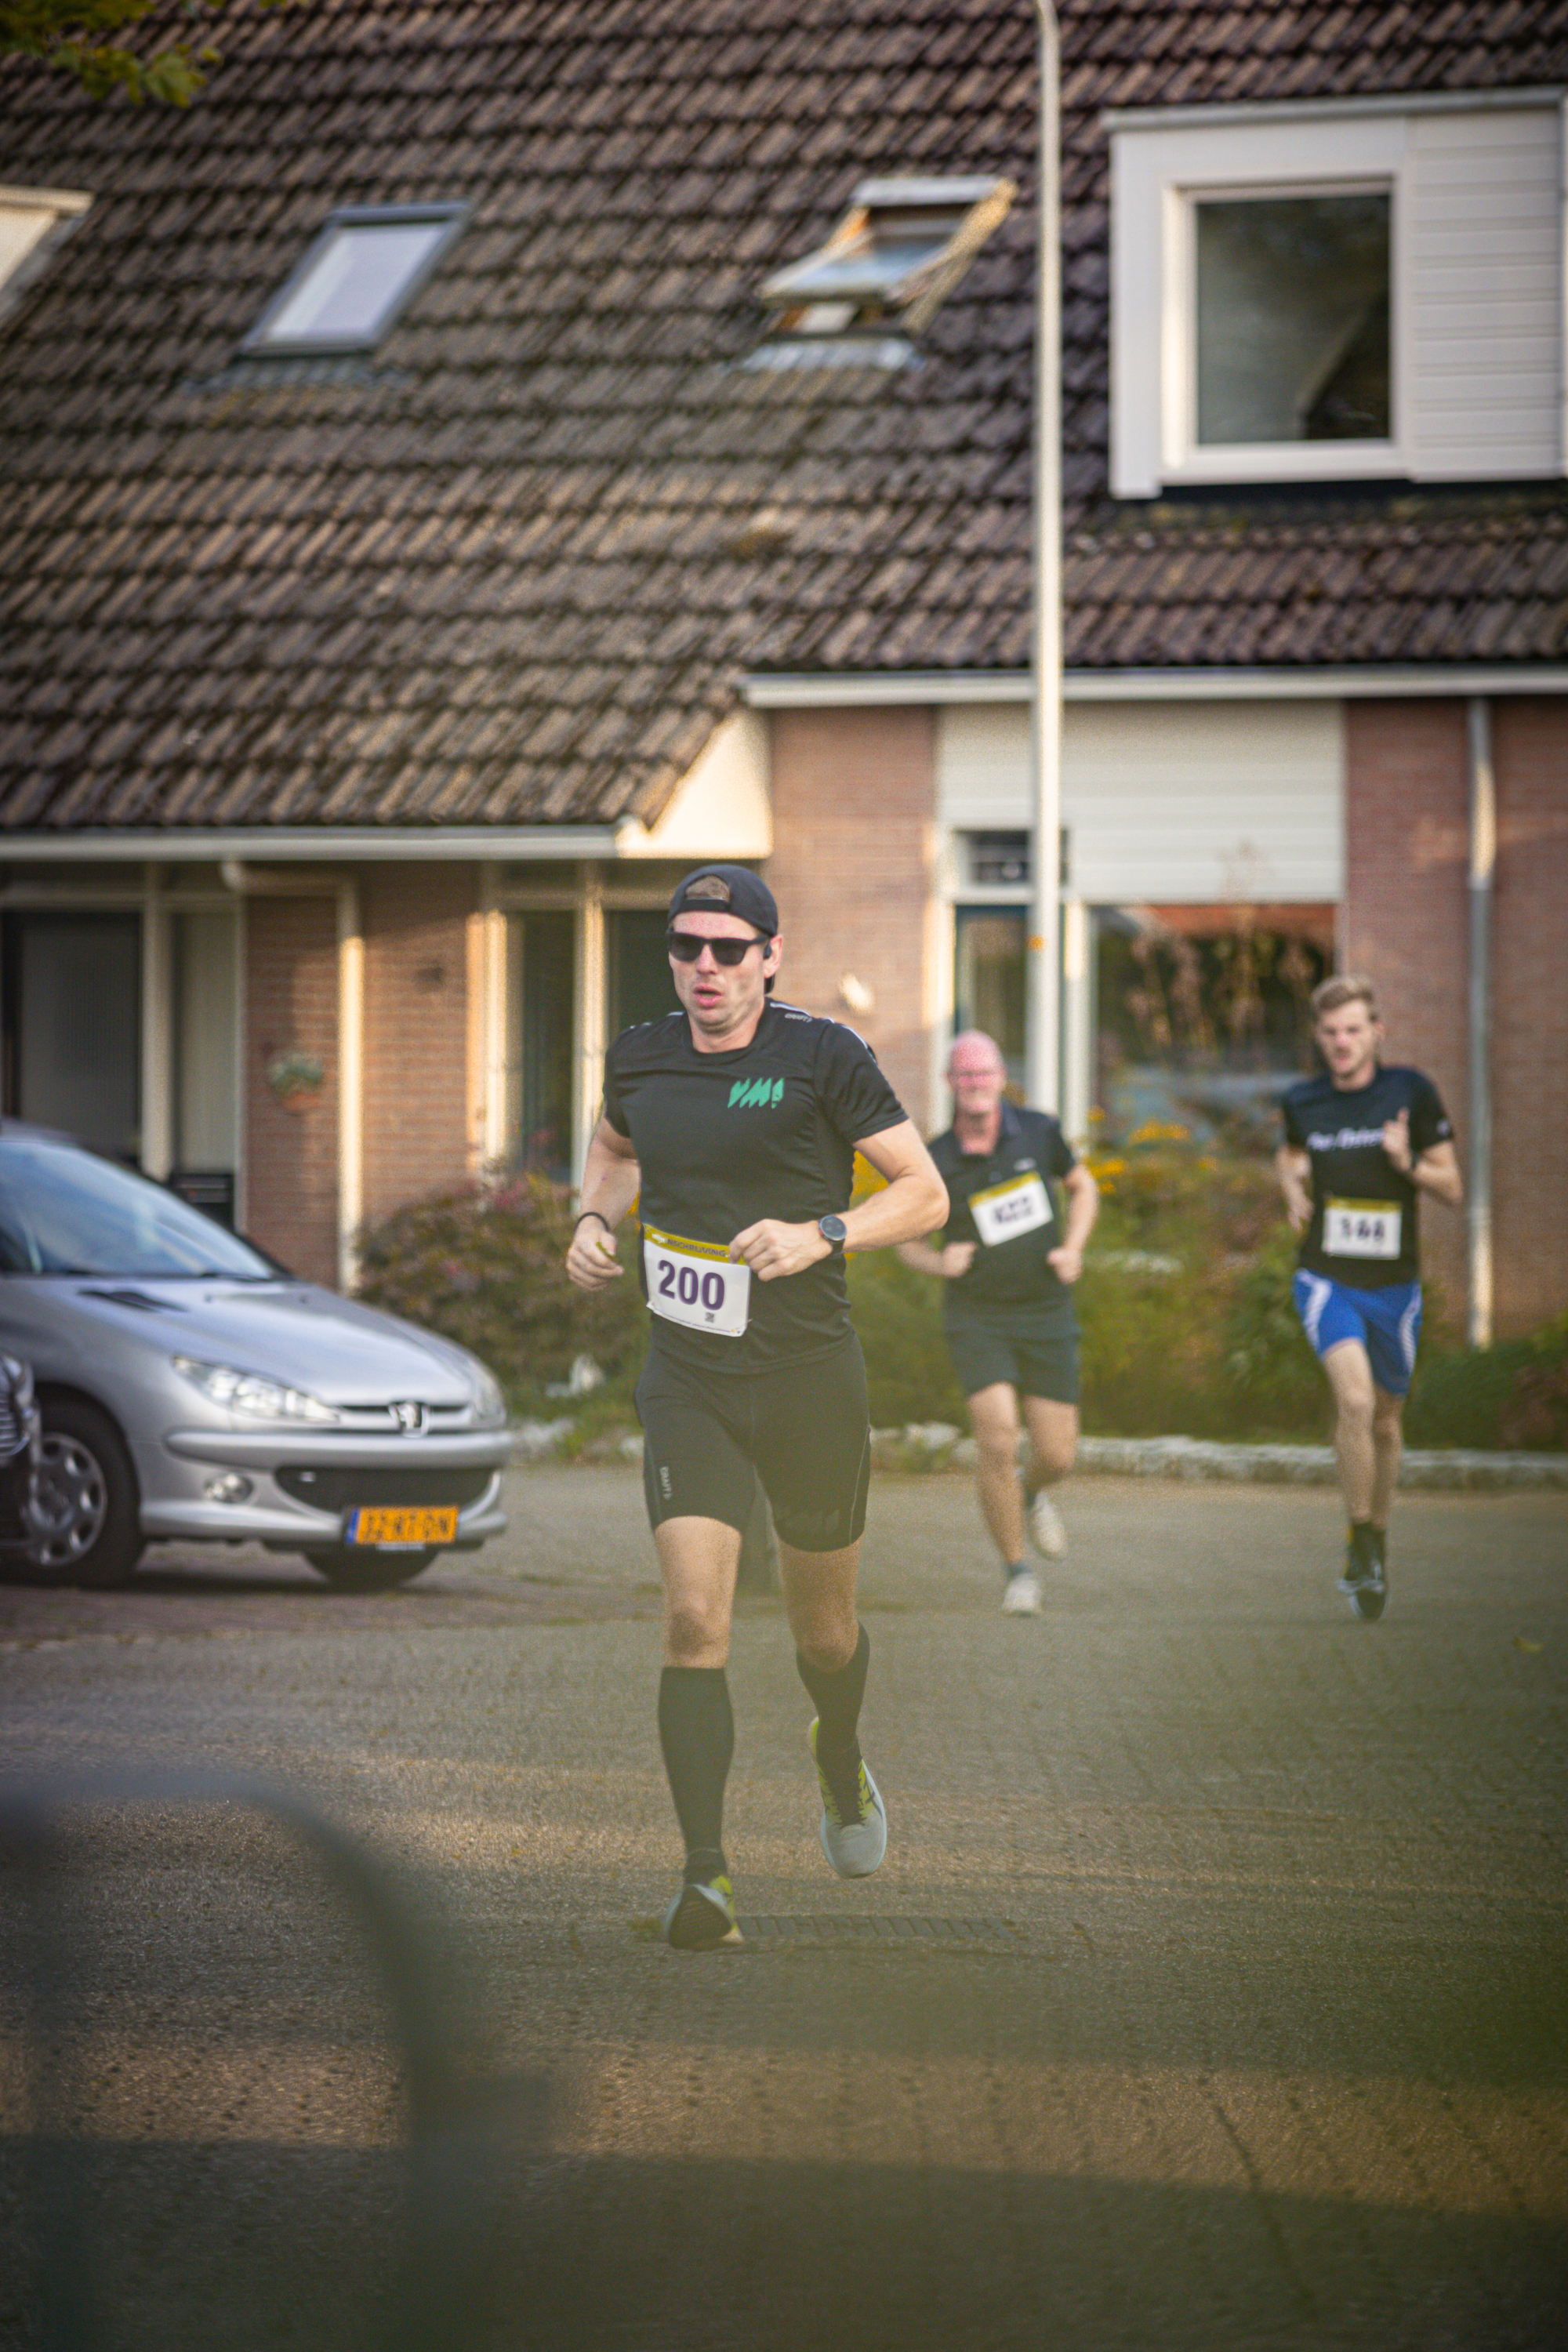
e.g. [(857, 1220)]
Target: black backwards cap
[(727, 890)]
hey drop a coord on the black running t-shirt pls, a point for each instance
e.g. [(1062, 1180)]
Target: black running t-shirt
[(1363, 1230), (1008, 1271), (723, 1140)]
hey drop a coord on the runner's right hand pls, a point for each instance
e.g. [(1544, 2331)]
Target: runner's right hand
[(590, 1262)]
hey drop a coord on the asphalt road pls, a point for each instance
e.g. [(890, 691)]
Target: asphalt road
[(1213, 1994)]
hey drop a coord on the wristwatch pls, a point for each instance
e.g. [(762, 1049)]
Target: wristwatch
[(832, 1230)]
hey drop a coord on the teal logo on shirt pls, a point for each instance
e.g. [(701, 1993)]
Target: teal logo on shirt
[(755, 1094)]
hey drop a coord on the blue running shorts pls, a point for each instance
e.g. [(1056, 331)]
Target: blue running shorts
[(1387, 1323)]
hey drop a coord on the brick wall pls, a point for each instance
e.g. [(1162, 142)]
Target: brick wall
[(1407, 912), (1530, 1000), (854, 795), (417, 1047), (291, 1148)]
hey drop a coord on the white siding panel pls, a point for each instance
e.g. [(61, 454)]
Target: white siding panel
[(1484, 300), (1167, 802)]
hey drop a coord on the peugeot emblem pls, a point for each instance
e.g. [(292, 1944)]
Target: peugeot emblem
[(408, 1416)]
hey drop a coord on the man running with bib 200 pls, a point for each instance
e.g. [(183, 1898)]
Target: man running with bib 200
[(735, 1124), (1362, 1142)]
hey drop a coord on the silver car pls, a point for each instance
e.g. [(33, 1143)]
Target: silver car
[(191, 1391)]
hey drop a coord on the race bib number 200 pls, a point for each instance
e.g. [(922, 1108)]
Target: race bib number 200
[(1361, 1228), (696, 1283), (1004, 1211)]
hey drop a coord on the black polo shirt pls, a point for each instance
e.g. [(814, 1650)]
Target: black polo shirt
[(1015, 1274)]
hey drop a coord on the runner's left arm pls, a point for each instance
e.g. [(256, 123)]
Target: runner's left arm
[(1420, 1141), (1434, 1171), (1083, 1207)]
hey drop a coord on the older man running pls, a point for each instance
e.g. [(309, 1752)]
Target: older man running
[(1009, 1267)]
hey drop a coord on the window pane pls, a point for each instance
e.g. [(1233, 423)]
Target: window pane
[(206, 1081), (990, 943), (1293, 320), (641, 986), (356, 281), (1203, 1019), (75, 1017), (546, 962)]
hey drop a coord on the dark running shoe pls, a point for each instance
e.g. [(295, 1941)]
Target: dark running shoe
[(701, 1916), (1366, 1586)]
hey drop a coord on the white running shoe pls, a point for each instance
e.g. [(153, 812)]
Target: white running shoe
[(1021, 1594), (854, 1841), (1046, 1527)]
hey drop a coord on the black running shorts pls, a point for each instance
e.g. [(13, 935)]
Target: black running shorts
[(1037, 1357), (802, 1429)]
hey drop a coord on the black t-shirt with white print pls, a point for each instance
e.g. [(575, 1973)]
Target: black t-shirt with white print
[(723, 1140), (1363, 1230)]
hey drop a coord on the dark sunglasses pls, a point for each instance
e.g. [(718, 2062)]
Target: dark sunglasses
[(687, 946)]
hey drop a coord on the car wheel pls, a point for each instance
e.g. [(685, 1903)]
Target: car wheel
[(353, 1568), (85, 1519)]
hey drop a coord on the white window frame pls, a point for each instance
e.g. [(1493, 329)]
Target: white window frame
[(1158, 178), (1186, 460)]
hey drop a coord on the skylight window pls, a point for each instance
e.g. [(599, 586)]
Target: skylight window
[(33, 222), (898, 251), (364, 268)]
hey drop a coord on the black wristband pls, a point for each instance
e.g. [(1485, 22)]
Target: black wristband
[(593, 1213)]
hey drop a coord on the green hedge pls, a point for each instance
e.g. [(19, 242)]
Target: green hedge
[(1188, 1324), (487, 1268)]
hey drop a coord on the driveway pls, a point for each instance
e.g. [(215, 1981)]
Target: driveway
[(1213, 1993)]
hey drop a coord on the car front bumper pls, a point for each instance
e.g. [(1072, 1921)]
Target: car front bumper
[(174, 1474)]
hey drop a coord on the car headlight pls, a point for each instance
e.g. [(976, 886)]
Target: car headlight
[(491, 1404), (239, 1392)]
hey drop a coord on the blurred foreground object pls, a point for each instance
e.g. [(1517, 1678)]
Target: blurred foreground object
[(458, 2120)]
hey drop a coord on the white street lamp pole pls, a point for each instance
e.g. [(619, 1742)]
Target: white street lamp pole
[(1044, 961)]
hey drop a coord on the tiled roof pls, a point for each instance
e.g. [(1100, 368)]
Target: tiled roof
[(512, 568)]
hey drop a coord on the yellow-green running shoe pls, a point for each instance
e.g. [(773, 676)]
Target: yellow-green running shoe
[(700, 1916), (854, 1825)]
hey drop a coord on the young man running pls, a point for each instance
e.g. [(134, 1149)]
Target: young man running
[(1008, 1269), (736, 1120), (1362, 1142)]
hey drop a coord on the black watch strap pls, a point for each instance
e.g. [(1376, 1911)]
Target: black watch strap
[(831, 1228)]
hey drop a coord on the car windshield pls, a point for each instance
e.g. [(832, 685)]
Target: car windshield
[(64, 1212)]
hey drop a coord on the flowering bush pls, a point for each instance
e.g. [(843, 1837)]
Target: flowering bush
[(486, 1266)]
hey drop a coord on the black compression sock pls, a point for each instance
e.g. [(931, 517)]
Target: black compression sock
[(697, 1732), (1363, 1539), (838, 1697)]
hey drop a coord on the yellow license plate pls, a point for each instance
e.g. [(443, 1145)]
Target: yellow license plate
[(401, 1524)]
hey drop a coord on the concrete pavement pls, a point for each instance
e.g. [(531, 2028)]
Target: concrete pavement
[(1212, 1993)]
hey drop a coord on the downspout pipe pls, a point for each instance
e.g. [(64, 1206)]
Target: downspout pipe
[(1044, 960), (1483, 867)]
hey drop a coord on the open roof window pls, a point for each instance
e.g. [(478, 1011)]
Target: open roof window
[(33, 222), (367, 264), (898, 251)]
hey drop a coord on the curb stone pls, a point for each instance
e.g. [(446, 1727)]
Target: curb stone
[(1453, 1468), (936, 1445)]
